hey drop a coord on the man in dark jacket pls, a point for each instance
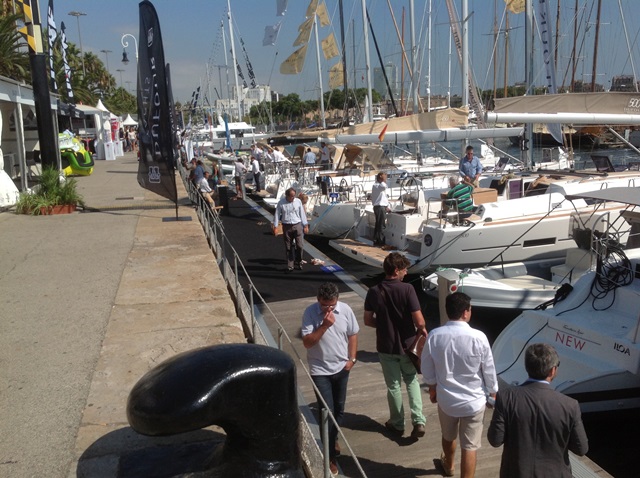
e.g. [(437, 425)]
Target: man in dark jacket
[(537, 425)]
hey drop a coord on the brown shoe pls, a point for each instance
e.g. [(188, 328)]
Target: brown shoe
[(418, 431), (333, 468), (393, 429), (446, 467)]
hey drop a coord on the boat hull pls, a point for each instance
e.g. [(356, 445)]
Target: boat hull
[(596, 340)]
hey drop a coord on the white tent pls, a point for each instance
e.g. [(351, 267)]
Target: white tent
[(102, 107), (129, 121)]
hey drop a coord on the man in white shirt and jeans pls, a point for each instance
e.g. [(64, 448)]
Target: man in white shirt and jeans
[(290, 212), (457, 365), (380, 205)]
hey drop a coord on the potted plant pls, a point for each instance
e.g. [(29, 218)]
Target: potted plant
[(52, 195)]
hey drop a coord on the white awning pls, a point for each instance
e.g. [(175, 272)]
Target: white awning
[(89, 110)]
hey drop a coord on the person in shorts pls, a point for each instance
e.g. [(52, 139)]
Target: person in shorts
[(458, 367)]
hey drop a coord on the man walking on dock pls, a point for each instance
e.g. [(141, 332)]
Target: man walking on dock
[(393, 309), (290, 212), (329, 333), (458, 367), (543, 449)]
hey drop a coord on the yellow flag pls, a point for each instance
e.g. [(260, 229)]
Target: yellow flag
[(305, 32), (323, 15), (515, 6), (311, 9), (293, 65), (330, 47), (336, 76)]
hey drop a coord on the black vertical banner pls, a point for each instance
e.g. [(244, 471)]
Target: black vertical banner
[(172, 118), (156, 169)]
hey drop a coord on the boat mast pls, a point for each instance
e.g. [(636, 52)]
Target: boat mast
[(626, 36), (414, 60), (404, 53), (226, 60), (573, 51), (235, 62), (595, 48), (465, 54), (345, 115), (365, 34), (429, 62), (506, 55), (449, 67), (315, 26), (528, 73)]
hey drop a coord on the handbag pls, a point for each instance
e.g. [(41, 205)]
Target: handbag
[(414, 351)]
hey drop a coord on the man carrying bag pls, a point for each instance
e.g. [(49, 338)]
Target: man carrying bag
[(393, 309)]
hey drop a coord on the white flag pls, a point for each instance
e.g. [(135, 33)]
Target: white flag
[(305, 32), (515, 6), (282, 7), (311, 9), (293, 65), (330, 47), (271, 34), (323, 15), (336, 76)]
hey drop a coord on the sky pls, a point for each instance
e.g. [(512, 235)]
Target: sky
[(193, 41)]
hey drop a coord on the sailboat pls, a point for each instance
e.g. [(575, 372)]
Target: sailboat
[(595, 329)]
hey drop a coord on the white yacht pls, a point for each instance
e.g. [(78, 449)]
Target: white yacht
[(595, 329), (525, 218)]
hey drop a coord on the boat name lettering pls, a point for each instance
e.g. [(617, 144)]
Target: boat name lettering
[(577, 332), (570, 341), (633, 106), (623, 349)]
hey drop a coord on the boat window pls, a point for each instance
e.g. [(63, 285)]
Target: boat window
[(498, 185), (539, 242)]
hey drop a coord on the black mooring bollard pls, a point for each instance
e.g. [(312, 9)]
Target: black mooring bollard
[(248, 390)]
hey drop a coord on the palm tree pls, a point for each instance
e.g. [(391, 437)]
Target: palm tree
[(14, 57)]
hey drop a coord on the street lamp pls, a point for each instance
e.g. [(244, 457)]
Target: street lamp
[(78, 15), (106, 54), (125, 44)]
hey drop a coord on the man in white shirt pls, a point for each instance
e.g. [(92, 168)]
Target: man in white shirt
[(205, 189), (256, 152), (255, 169), (290, 212), (239, 171), (309, 158), (458, 367), (330, 335), (325, 156), (380, 205)]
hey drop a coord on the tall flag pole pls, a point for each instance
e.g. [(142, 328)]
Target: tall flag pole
[(32, 30), (67, 69), (156, 168), (53, 34)]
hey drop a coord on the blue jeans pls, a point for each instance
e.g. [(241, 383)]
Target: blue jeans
[(397, 369), (333, 389)]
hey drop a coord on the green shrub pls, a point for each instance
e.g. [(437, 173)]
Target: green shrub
[(50, 191)]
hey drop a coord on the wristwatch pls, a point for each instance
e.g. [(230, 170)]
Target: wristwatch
[(354, 360)]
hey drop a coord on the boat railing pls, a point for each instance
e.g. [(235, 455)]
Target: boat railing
[(257, 318)]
